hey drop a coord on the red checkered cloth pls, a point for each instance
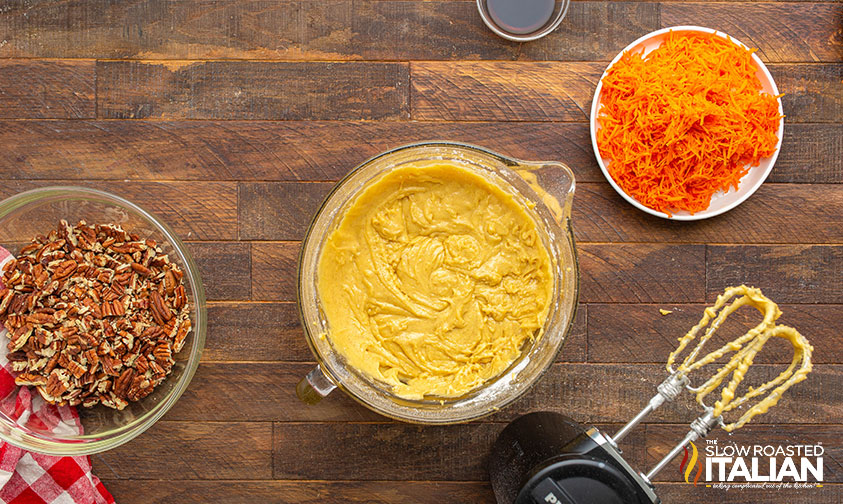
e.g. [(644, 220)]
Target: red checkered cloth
[(32, 478)]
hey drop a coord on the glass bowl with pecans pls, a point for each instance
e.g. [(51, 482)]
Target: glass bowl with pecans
[(102, 320)]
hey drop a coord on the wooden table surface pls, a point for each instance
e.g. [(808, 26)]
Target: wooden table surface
[(231, 119)]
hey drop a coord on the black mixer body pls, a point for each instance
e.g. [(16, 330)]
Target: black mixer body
[(547, 458)]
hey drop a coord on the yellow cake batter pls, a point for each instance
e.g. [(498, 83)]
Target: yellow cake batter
[(433, 281)]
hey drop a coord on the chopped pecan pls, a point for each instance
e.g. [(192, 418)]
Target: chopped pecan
[(122, 384), (30, 379), (65, 269), (160, 311), (6, 296), (93, 315), (141, 269)]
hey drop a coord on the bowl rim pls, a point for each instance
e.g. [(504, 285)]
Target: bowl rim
[(83, 446), (566, 329), (708, 212), (548, 28)]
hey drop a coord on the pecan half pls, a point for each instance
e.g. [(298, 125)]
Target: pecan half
[(93, 315)]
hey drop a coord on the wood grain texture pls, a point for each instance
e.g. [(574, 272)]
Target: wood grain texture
[(231, 119), (194, 450), (304, 30), (265, 391), (592, 393), (194, 210), (812, 93), (252, 90), (810, 153), (594, 31), (776, 213), (788, 273), (270, 331), (242, 150), (274, 267), (259, 392), (225, 268), (782, 32), (255, 332), (503, 91), (659, 439), (394, 451), (299, 492), (47, 89), (676, 492), (641, 273), (278, 210), (405, 492), (325, 150), (640, 333)]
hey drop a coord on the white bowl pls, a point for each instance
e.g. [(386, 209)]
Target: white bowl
[(720, 202)]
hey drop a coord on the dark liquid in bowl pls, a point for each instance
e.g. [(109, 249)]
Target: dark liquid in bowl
[(520, 16)]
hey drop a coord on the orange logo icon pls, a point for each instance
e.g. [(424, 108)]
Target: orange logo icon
[(686, 469)]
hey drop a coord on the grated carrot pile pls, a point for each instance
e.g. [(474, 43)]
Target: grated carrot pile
[(684, 122)]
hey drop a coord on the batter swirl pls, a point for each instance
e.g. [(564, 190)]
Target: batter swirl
[(434, 280)]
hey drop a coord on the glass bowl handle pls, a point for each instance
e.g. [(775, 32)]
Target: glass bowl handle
[(553, 182), (314, 386)]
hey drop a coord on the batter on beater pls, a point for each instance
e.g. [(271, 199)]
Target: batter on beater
[(745, 349), (434, 280)]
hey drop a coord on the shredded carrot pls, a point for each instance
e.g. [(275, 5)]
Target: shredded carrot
[(685, 121)]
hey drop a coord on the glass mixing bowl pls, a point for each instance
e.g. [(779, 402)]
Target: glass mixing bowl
[(30, 213), (545, 189)]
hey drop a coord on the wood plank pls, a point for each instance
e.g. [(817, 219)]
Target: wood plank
[(274, 267), (675, 492), (503, 91), (777, 213), (409, 492), (278, 210), (810, 153), (617, 392), (242, 150), (786, 273), (575, 348), (194, 210), (641, 273), (265, 391), (259, 392), (282, 211), (382, 451), (225, 268), (594, 31), (813, 92), (47, 89), (659, 439), (272, 332), (196, 450), (252, 90), (255, 332), (639, 333), (299, 492), (324, 150), (305, 30), (551, 91), (782, 32), (366, 451)]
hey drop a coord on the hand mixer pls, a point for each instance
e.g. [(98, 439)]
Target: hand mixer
[(546, 457)]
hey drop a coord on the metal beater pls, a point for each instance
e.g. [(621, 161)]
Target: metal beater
[(743, 350)]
